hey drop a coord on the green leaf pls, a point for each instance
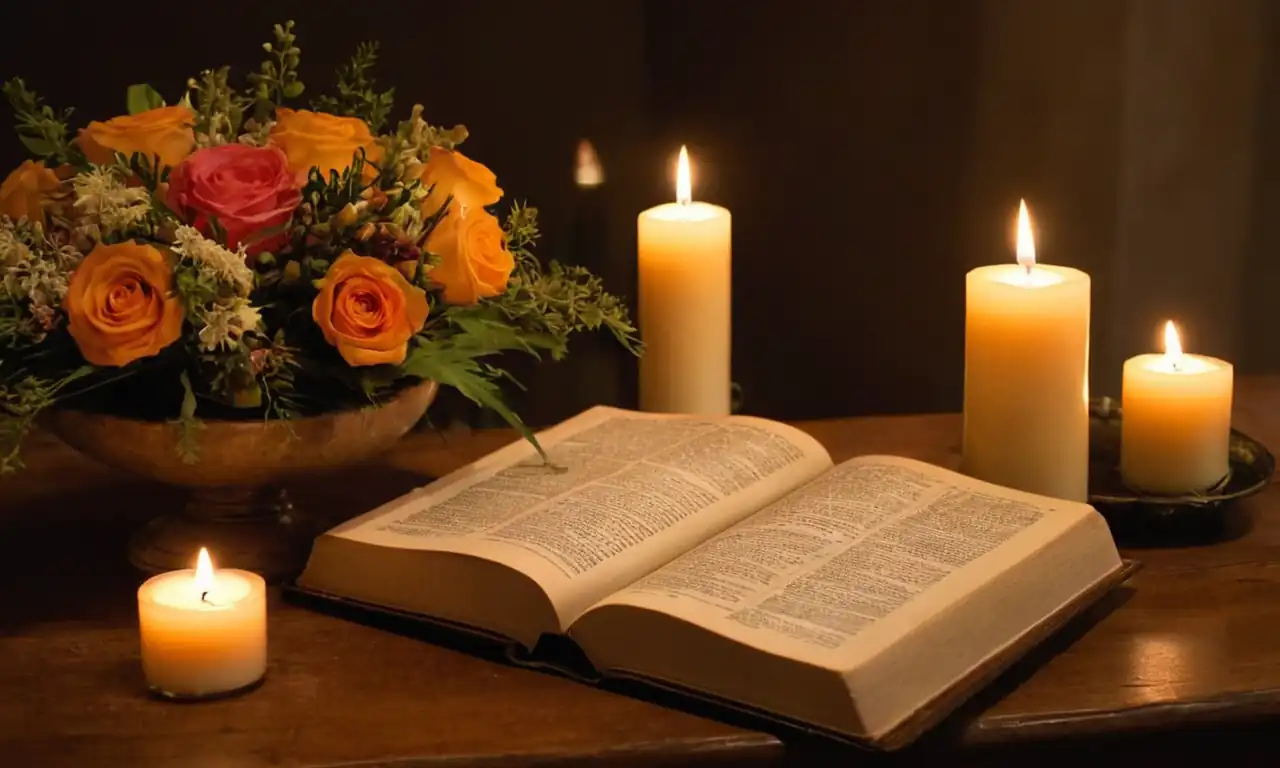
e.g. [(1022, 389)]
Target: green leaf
[(293, 90), (189, 427), (142, 97), (460, 369), (75, 375), (483, 327), (37, 146), (188, 409)]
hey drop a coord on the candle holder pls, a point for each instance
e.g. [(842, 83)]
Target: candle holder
[(1144, 519)]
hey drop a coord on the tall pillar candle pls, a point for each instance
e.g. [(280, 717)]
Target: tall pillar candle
[(1026, 388), (1175, 427), (685, 284)]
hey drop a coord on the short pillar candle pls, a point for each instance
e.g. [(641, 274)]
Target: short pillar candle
[(204, 632), (1175, 428)]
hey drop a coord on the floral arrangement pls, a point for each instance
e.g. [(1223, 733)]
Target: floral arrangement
[(232, 256)]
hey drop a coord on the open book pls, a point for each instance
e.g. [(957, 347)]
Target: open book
[(729, 558)]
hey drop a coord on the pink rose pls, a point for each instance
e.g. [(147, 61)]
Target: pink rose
[(248, 190)]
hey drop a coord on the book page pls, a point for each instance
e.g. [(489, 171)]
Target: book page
[(627, 492), (862, 545)]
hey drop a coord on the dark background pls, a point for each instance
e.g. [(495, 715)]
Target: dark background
[(871, 153)]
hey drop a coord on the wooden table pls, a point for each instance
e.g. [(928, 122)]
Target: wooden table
[(1188, 654)]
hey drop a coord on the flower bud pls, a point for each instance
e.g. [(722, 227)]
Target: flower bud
[(347, 216)]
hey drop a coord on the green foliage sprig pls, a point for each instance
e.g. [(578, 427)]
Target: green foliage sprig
[(336, 191), (278, 366), (219, 109), (414, 138), (357, 96), (23, 397), (41, 129), (561, 300), (277, 79)]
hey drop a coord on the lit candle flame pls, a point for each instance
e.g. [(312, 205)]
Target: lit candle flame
[(684, 184), (587, 171), (1172, 344), (204, 572), (1026, 241)]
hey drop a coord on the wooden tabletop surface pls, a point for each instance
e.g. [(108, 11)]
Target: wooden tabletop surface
[(1192, 643)]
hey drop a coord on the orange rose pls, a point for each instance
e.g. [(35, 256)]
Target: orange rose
[(368, 310), (23, 193), (474, 260), (453, 173), (164, 131), (121, 305), (319, 140)]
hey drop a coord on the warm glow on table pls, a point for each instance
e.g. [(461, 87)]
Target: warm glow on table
[(684, 312), (1026, 388), (204, 632), (1175, 429)]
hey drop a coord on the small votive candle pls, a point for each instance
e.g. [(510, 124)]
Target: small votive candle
[(1175, 430), (204, 632)]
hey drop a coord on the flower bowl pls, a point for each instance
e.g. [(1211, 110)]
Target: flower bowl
[(227, 246), (237, 507)]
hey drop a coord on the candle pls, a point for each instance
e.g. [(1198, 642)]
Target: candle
[(1176, 420), (587, 171), (1026, 362), (684, 303), (600, 370), (204, 632), (589, 241)]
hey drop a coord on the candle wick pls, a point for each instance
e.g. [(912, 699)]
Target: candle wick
[(203, 596), (1028, 265)]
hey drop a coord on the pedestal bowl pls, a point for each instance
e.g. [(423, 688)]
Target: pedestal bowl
[(237, 503)]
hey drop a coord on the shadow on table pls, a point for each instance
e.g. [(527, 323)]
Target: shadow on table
[(63, 555)]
